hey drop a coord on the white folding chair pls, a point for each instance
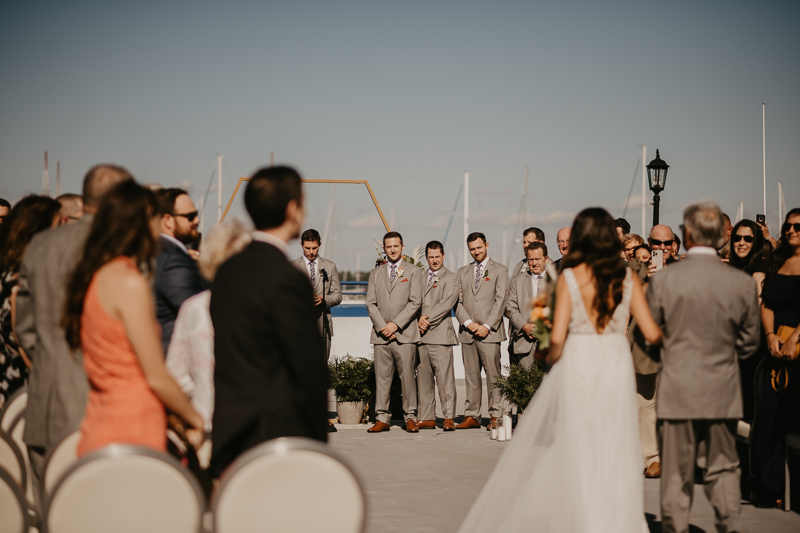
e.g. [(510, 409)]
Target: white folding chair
[(289, 484), (17, 430), (792, 441), (12, 462), (125, 489), (60, 457), (15, 404), (13, 507)]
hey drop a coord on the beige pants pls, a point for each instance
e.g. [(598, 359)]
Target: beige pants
[(436, 360), (479, 355), (646, 400), (401, 357)]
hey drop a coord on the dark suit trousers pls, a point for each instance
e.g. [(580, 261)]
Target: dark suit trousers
[(387, 358), (711, 445)]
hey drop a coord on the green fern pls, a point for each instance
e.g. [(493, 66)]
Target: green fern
[(521, 383), (350, 378)]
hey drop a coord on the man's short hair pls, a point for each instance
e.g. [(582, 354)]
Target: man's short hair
[(392, 235), (624, 224), (99, 180), (434, 245), (474, 236), (71, 204), (4, 203), (166, 199), (677, 240), (536, 246), (705, 223), (311, 235), (727, 219), (539, 234), (268, 195)]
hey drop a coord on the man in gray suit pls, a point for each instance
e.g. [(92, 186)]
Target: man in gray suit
[(709, 314), (484, 288), (324, 280), (524, 289), (530, 235), (57, 387), (437, 340), (394, 296)]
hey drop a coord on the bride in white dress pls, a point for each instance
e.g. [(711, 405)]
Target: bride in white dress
[(575, 462)]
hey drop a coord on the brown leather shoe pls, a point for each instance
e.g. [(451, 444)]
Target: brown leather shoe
[(411, 426), (653, 471), (492, 424), (449, 425), (378, 427), (469, 422), (426, 424)]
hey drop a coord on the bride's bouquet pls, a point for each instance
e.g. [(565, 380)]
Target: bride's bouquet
[(544, 307)]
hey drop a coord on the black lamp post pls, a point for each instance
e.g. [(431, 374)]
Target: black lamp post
[(657, 176)]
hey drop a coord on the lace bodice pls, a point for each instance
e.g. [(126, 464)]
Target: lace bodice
[(579, 321)]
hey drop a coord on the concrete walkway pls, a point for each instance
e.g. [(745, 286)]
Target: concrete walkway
[(427, 481)]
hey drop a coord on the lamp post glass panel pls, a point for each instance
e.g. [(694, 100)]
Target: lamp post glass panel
[(657, 176)]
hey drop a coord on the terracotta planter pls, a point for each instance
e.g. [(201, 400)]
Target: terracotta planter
[(349, 412)]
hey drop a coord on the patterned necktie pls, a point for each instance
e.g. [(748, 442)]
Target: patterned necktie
[(393, 274), (538, 279), (430, 279), (312, 274), (478, 269)]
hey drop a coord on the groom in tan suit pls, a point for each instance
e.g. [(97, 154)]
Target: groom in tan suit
[(525, 287), (484, 287), (437, 341), (324, 280), (394, 296)]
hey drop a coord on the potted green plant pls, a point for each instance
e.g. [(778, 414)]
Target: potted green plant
[(521, 384), (350, 379)]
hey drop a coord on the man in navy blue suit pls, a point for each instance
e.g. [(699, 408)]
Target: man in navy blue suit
[(177, 275)]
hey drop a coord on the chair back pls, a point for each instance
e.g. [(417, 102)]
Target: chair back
[(13, 507), (291, 484), (60, 457), (125, 489), (11, 460), (17, 431), (15, 404)]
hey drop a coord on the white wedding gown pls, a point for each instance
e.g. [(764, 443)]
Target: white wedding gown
[(574, 463)]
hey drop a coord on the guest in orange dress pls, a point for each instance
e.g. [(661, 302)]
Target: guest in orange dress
[(110, 314)]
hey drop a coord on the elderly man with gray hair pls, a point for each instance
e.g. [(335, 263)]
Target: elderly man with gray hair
[(710, 317)]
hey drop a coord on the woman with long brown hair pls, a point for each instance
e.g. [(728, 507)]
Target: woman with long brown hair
[(30, 216), (109, 313), (575, 462)]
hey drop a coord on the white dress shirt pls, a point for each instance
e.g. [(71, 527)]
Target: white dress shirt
[(308, 266), (269, 238)]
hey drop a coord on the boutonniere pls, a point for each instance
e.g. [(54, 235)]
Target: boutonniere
[(399, 272), (486, 276)]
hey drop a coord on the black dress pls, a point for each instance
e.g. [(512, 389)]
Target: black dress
[(778, 412), (13, 370)]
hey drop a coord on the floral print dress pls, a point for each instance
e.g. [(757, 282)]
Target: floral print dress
[(13, 370)]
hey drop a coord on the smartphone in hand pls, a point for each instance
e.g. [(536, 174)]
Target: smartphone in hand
[(761, 219), (657, 259)]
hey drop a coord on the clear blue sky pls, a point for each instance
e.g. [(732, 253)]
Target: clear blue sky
[(409, 95)]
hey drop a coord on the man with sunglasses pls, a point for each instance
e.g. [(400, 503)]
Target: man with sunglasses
[(661, 238), (177, 275)]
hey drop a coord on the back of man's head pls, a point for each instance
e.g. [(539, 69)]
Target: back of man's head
[(268, 195), (704, 224), (98, 181), (71, 205)]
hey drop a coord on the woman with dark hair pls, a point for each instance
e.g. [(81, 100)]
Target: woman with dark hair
[(30, 216), (575, 462), (779, 406), (109, 313)]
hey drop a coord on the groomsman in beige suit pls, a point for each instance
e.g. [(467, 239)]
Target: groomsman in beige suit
[(530, 235), (484, 288), (394, 296), (437, 340), (324, 280), (525, 287)]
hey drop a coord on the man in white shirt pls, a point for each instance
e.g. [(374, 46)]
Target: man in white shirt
[(525, 287), (324, 280), (484, 287)]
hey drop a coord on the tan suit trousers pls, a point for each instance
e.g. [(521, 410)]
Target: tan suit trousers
[(646, 400), (402, 357), (479, 355), (436, 360)]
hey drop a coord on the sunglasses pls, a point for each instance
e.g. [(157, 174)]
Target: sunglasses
[(747, 238), (656, 242), (786, 227), (187, 216)]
